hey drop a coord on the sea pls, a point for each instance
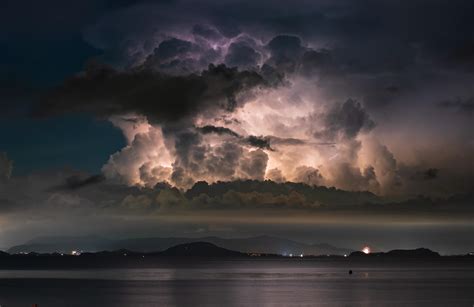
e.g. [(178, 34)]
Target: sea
[(246, 282)]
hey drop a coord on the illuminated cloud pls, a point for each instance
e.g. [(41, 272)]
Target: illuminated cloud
[(202, 98)]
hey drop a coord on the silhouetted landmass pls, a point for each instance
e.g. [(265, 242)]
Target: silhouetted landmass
[(400, 253), (200, 249), (63, 244), (203, 251), (259, 244), (118, 258)]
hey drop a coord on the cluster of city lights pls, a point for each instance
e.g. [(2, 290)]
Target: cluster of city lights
[(293, 255)]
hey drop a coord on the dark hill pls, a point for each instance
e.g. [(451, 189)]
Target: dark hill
[(200, 249), (400, 253), (259, 244), (419, 252)]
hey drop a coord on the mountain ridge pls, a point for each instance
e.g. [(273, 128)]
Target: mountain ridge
[(257, 244)]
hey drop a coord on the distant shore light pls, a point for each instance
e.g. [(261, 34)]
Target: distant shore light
[(366, 250)]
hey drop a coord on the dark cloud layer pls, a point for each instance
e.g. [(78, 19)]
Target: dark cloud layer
[(219, 130), (110, 209), (252, 140), (104, 91), (79, 194), (76, 182), (465, 106)]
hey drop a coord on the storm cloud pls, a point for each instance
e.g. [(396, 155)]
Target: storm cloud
[(322, 92)]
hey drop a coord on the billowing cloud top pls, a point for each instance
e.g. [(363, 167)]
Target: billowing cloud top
[(356, 95)]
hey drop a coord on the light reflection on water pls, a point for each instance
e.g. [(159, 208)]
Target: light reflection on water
[(243, 283), (166, 274)]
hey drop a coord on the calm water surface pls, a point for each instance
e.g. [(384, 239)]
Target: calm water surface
[(245, 283)]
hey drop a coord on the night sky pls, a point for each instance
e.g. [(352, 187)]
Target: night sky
[(344, 122)]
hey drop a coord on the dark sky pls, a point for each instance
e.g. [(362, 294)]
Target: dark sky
[(114, 109)]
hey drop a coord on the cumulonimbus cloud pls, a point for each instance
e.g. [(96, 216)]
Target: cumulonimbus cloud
[(210, 105)]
